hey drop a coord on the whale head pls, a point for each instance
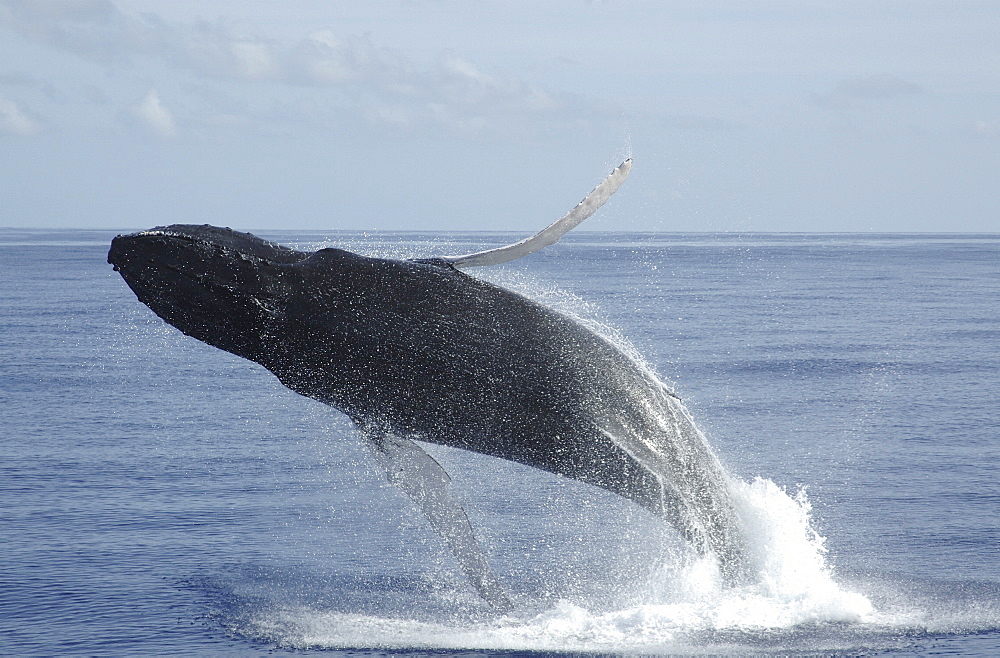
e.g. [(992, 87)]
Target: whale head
[(215, 284), (287, 310)]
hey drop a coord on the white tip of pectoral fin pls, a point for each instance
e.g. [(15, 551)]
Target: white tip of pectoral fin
[(552, 233)]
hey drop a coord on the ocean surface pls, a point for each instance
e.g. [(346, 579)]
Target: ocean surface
[(160, 496)]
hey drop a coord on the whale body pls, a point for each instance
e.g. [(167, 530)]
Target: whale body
[(418, 350)]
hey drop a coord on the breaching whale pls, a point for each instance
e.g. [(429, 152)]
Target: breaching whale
[(417, 350)]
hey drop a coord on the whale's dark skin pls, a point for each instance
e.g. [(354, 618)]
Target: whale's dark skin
[(418, 349)]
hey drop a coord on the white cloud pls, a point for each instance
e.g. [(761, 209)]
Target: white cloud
[(99, 31), (323, 58), (374, 83), (14, 121), (155, 115), (255, 59), (93, 28)]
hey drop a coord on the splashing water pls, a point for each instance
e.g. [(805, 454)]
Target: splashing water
[(684, 603)]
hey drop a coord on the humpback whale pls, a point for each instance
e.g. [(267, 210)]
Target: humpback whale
[(419, 351)]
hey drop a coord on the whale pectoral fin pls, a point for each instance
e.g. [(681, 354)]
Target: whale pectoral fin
[(426, 483), (550, 234)]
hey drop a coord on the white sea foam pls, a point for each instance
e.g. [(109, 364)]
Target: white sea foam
[(684, 600)]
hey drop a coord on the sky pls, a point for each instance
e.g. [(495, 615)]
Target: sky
[(750, 115)]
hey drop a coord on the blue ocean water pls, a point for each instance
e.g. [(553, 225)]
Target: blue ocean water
[(160, 496)]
